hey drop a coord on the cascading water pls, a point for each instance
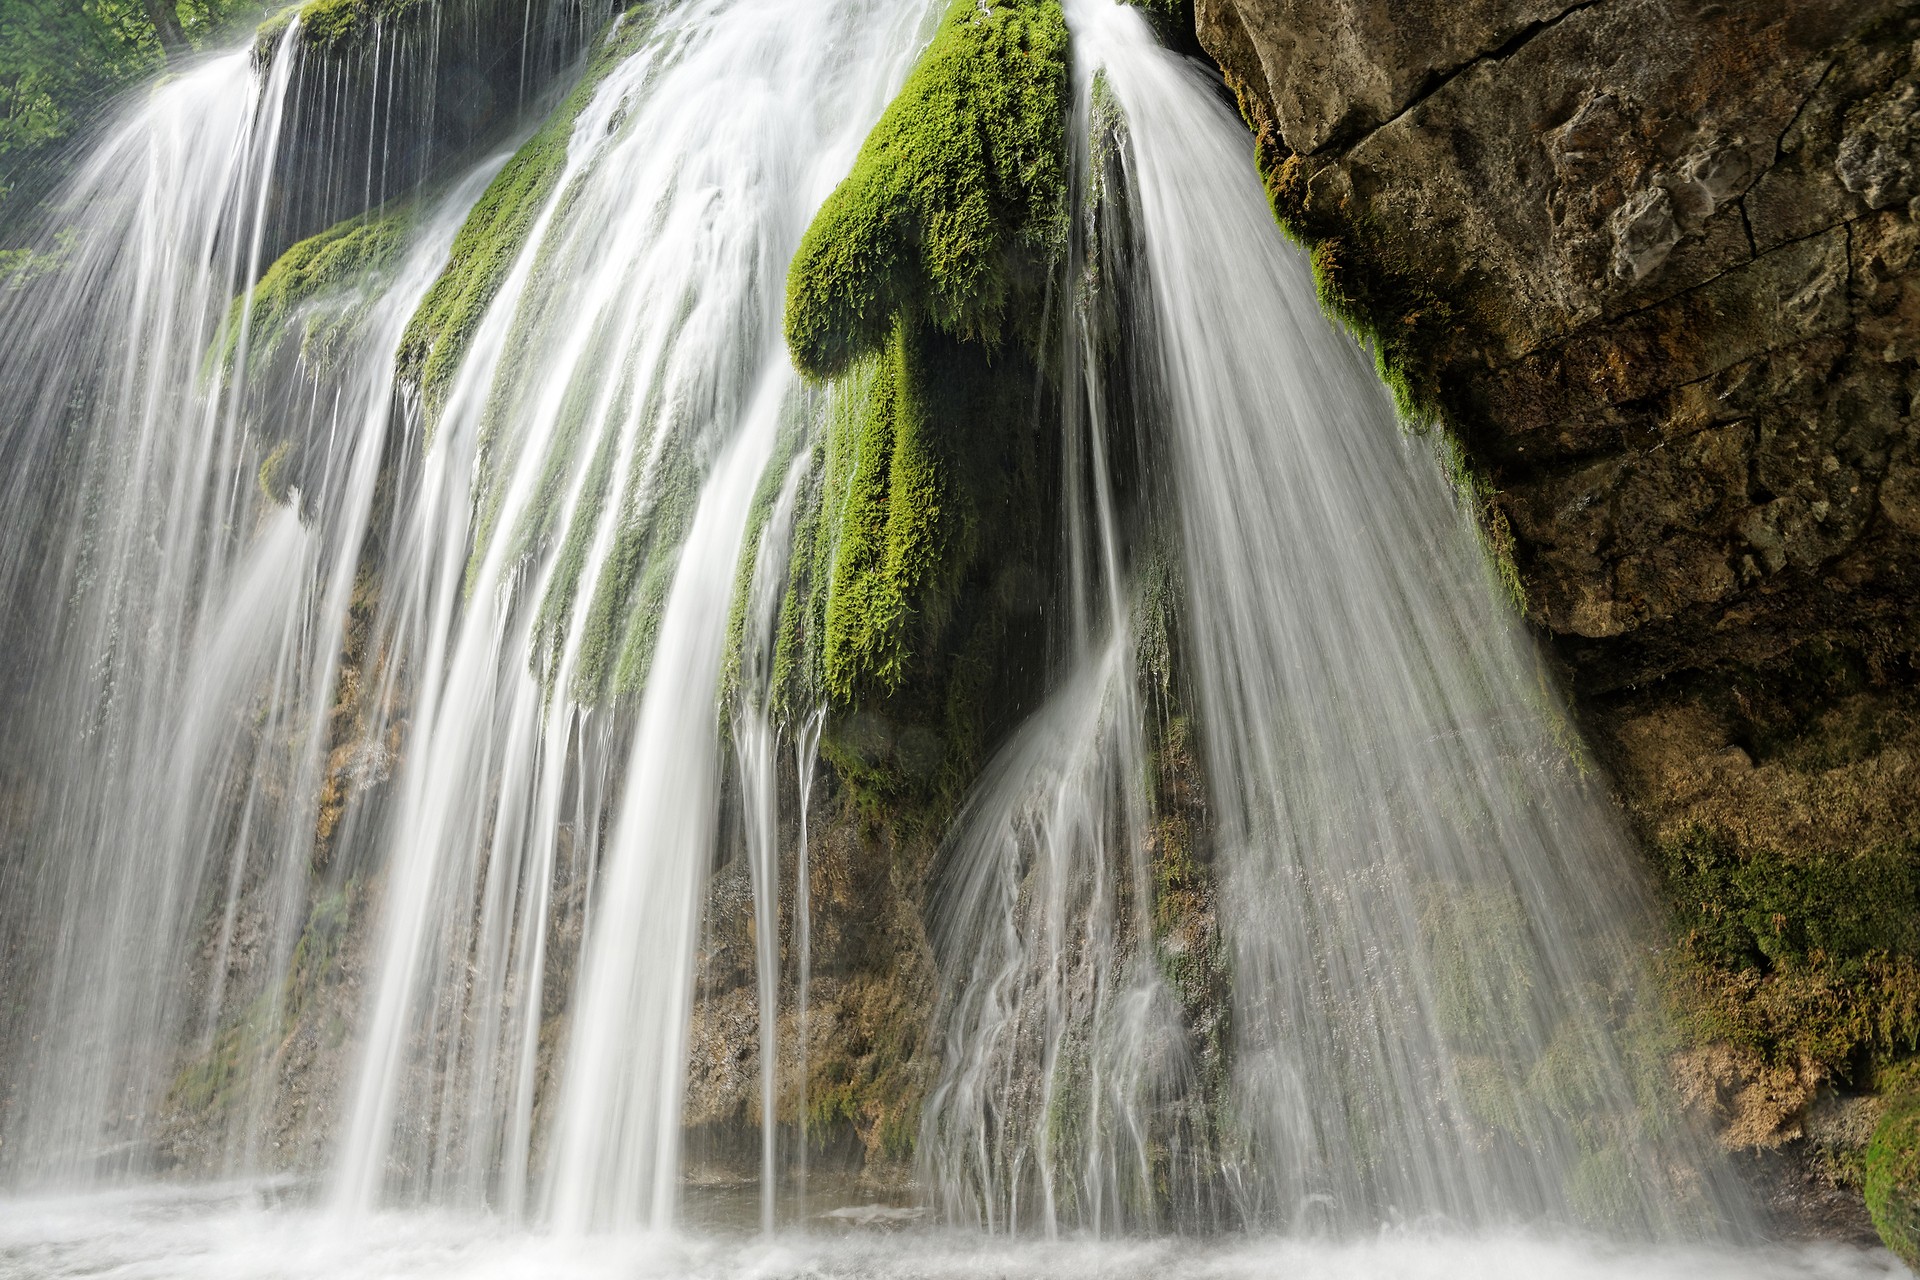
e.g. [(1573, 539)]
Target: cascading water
[(1432, 924), (614, 460), (407, 619), (157, 626)]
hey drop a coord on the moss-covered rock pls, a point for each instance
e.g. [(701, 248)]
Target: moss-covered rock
[(495, 232), (330, 26), (1893, 1179), (955, 210), (905, 526), (303, 324), (337, 267), (1803, 957), (923, 284), (335, 25)]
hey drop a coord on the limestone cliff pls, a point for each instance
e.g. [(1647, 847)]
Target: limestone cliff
[(1653, 263)]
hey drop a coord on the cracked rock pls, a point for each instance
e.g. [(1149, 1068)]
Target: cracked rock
[(1881, 150), (1644, 233)]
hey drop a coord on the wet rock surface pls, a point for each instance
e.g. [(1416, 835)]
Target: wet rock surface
[(1665, 252)]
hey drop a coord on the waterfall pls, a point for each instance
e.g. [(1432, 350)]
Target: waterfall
[(1434, 925), (158, 628), (401, 573)]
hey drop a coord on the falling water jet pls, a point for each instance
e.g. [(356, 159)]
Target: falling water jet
[(806, 758), (755, 741), (578, 517)]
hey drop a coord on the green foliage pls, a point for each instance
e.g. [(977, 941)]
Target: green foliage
[(58, 61), (1893, 1179), (61, 61), (1804, 957), (955, 210)]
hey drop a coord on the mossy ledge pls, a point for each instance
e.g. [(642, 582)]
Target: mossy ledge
[(336, 25), (302, 322), (337, 262), (331, 26)]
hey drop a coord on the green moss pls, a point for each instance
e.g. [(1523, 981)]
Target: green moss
[(930, 523), (1804, 957), (904, 530), (318, 291), (923, 285), (563, 585), (765, 497), (624, 613), (580, 405), (332, 27), (335, 26), (799, 674), (1893, 1179), (491, 239), (268, 35), (955, 210)]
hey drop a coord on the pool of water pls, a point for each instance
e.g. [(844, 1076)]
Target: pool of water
[(243, 1233)]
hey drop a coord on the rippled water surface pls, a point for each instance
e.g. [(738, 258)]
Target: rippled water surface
[(238, 1233)]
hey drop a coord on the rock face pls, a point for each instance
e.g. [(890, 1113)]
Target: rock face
[(1653, 262)]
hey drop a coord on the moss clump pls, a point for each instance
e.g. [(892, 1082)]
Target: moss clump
[(1806, 957), (337, 266), (1893, 1179), (956, 207)]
